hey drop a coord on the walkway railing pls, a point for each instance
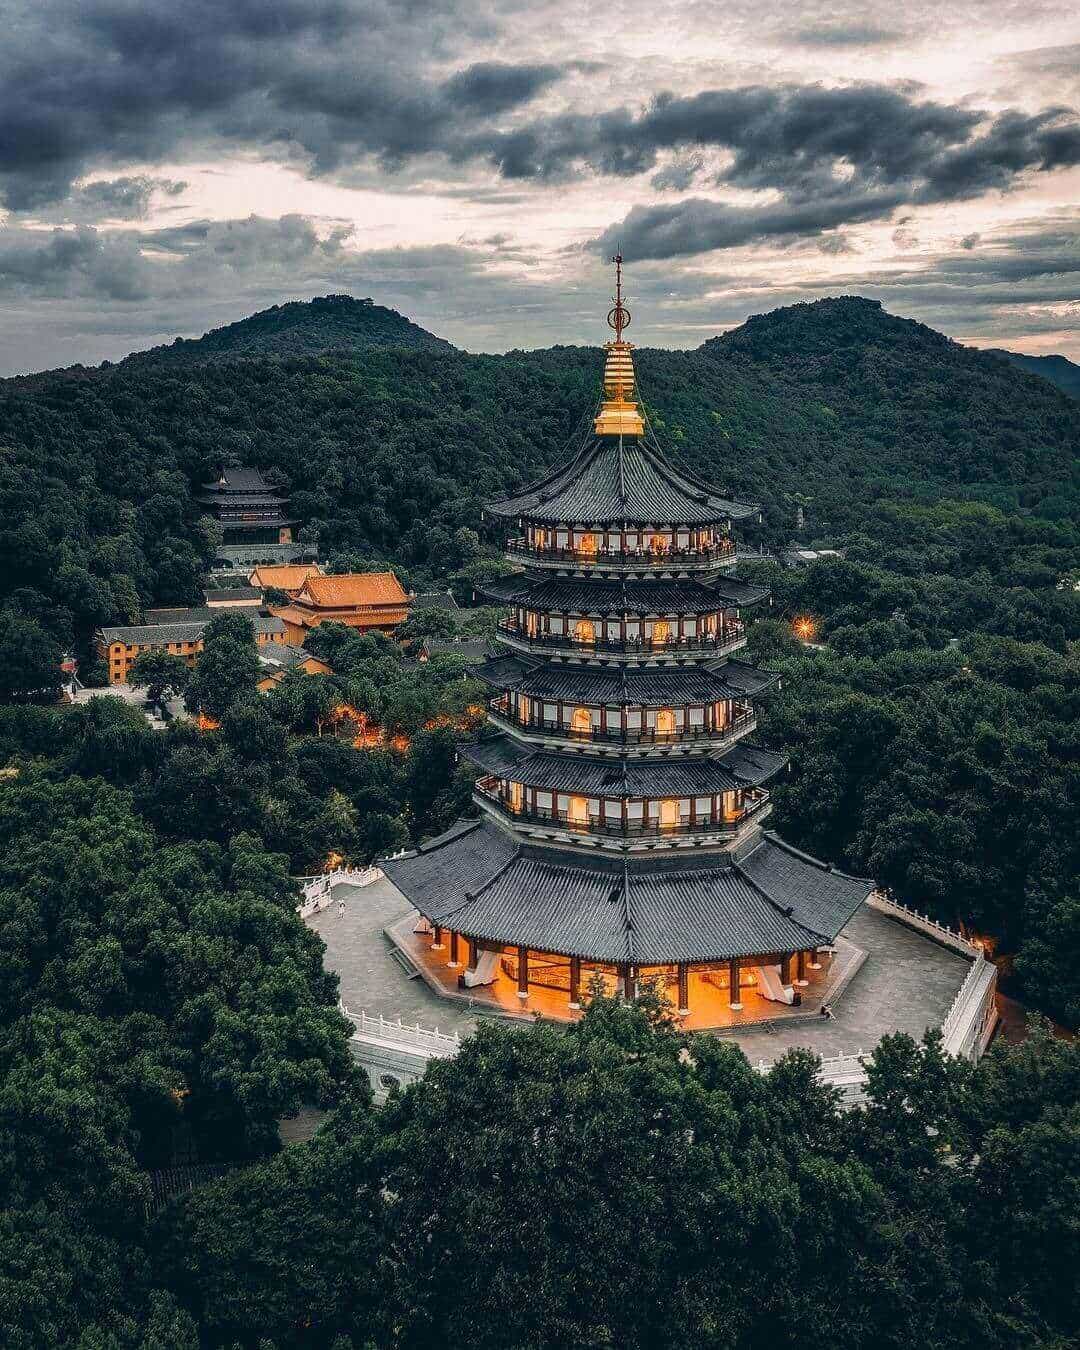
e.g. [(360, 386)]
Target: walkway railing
[(924, 923), (716, 644), (520, 550), (629, 829), (318, 891), (431, 1041), (503, 715)]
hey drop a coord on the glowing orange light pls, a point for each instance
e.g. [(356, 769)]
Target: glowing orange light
[(805, 629), (333, 862), (205, 723)]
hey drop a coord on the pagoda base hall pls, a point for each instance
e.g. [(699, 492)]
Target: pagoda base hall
[(622, 798), (726, 942)]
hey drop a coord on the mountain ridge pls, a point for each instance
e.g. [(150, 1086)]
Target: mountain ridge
[(389, 452), (298, 328), (1059, 370)]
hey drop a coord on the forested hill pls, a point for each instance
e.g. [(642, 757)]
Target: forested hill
[(1058, 370), (388, 452), (299, 328)]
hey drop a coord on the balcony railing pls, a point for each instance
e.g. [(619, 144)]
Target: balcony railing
[(629, 559), (502, 714), (716, 644), (629, 829)]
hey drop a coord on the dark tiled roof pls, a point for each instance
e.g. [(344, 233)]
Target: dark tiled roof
[(188, 631), (251, 593), (743, 766), (433, 600), (817, 894), (239, 480), (575, 596), (280, 654), (621, 479), (659, 686), (479, 881)]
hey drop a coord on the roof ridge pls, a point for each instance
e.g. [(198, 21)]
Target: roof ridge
[(628, 914), (788, 911), (471, 896), (809, 858)]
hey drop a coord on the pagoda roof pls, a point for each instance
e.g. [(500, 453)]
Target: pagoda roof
[(743, 766), (574, 595), (621, 480), (238, 480), (646, 686), (480, 880), (352, 589)]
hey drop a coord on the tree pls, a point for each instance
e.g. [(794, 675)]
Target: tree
[(163, 676), (226, 668), (29, 660)]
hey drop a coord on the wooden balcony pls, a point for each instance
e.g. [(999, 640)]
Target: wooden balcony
[(638, 560), (489, 794), (567, 644), (547, 730)]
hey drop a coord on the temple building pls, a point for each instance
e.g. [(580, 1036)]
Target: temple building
[(362, 600), (178, 632), (623, 800), (247, 508)]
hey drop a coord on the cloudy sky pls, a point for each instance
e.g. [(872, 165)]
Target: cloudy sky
[(167, 166)]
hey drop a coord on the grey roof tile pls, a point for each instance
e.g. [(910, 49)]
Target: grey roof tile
[(614, 479), (480, 881)]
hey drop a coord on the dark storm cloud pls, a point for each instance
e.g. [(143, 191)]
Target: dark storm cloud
[(125, 198), (197, 258), (844, 156), (332, 84), (326, 81), (700, 225), (847, 35), (492, 87)]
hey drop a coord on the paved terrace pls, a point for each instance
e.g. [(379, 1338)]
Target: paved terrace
[(906, 982)]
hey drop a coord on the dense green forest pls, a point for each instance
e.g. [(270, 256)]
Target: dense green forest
[(388, 453), (161, 1000)]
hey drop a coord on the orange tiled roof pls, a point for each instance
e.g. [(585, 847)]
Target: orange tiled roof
[(353, 589), (285, 576)]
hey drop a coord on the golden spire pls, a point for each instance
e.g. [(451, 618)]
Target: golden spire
[(619, 412)]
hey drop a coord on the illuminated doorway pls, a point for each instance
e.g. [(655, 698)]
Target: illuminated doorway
[(515, 797), (578, 813), (669, 815), (661, 633), (588, 543), (665, 722), (584, 631), (581, 722)]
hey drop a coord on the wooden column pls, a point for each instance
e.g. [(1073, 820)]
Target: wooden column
[(733, 983), (800, 969), (785, 969), (472, 953), (575, 982), (523, 972), (627, 974), (454, 962), (815, 964), (436, 938), (683, 971)]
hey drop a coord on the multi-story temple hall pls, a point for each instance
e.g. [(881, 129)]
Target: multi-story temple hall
[(624, 801)]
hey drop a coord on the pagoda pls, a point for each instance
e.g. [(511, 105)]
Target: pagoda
[(247, 508), (623, 801)]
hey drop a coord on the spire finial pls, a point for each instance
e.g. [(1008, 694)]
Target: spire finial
[(619, 317), (619, 412)]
